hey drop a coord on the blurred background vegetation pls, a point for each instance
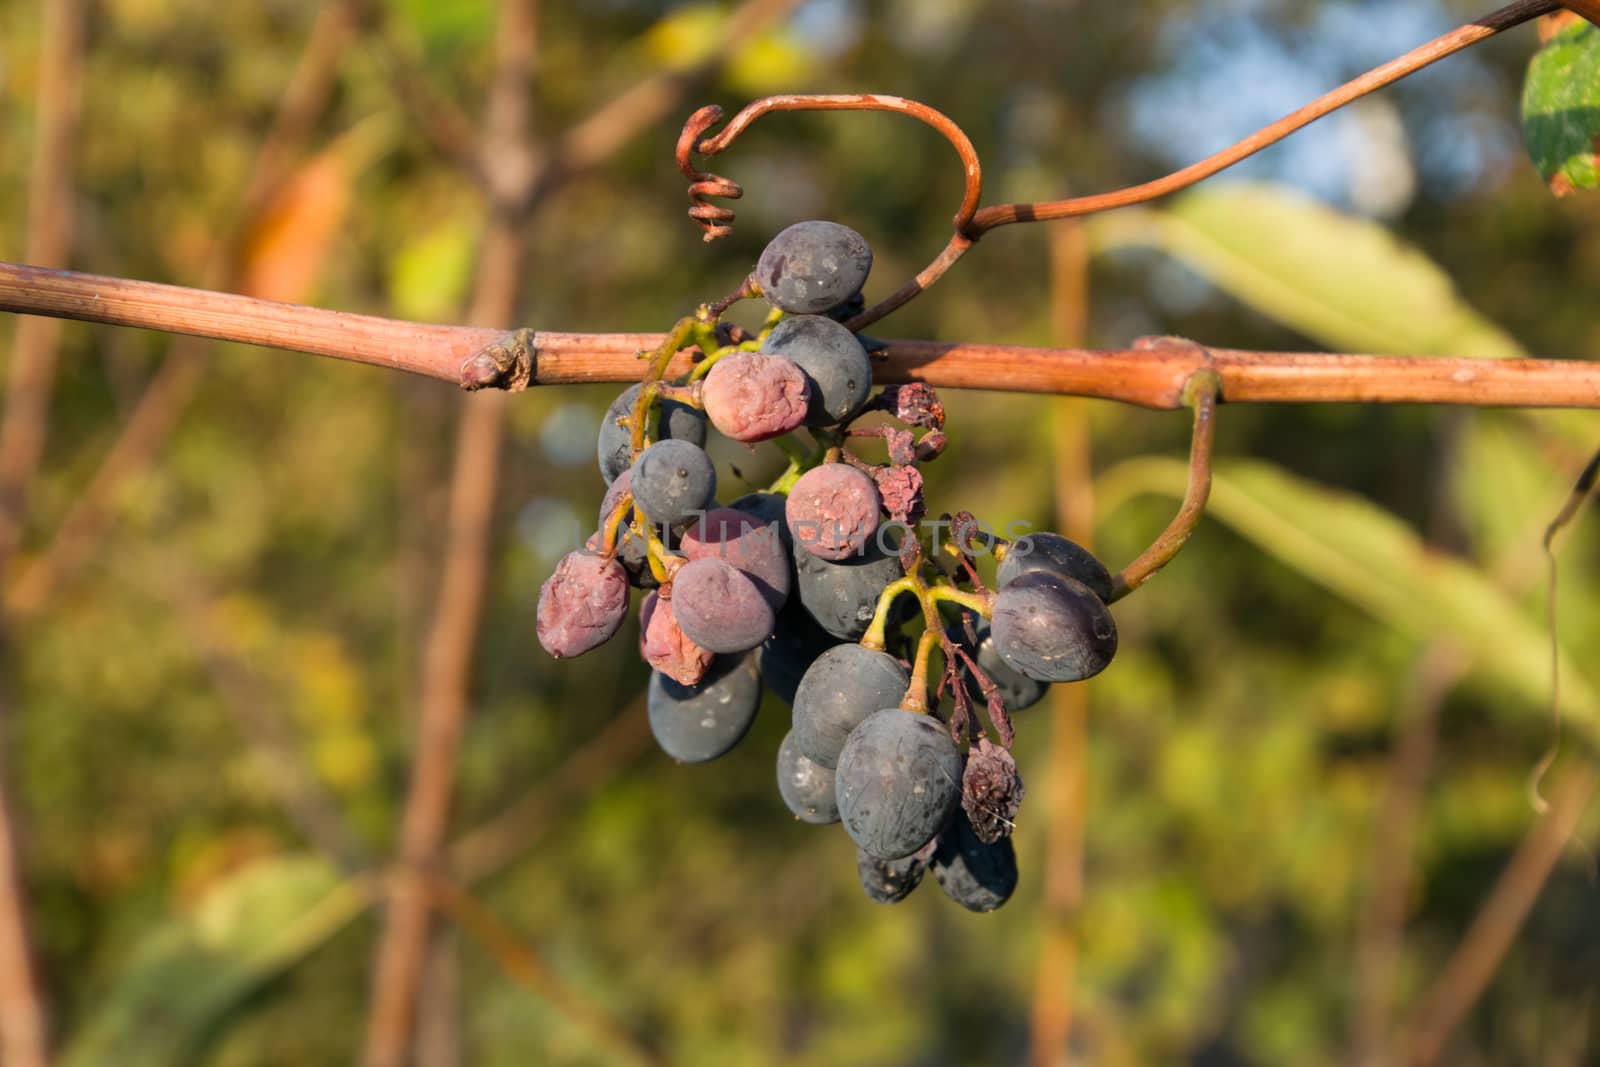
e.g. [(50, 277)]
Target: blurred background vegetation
[(1298, 782)]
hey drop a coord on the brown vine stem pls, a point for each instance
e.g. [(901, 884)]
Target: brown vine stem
[(30, 380), (1466, 36), (1589, 9), (1380, 925), (1478, 956), (971, 226), (520, 962), (402, 952), (1148, 377), (1054, 1008), (169, 390), (1200, 393)]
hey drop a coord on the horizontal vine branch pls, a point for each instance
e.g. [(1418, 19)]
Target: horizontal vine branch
[(1150, 376)]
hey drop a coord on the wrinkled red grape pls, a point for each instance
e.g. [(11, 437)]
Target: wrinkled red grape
[(720, 608), (833, 511), (900, 489), (581, 604), (742, 539), (749, 397), (666, 647)]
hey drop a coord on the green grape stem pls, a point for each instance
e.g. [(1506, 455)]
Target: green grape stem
[(874, 638), (612, 523), (785, 481), (916, 698), (981, 603), (656, 554)]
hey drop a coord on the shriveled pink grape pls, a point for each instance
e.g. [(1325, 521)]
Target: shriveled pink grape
[(833, 511), (666, 647), (581, 604), (900, 489), (718, 607), (754, 547), (915, 404), (754, 398)]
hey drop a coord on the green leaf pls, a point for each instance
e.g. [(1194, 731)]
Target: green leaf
[(1368, 557), (1561, 109), (773, 60), (186, 976), (685, 36), (447, 27), (430, 273), (1343, 281)]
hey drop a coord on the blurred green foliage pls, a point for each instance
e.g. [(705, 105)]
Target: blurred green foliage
[(1238, 749), (1561, 108)]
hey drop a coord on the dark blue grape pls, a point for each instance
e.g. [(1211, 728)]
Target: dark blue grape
[(813, 266), (696, 723), (794, 646), (806, 787), (844, 686), (978, 876), (836, 366), (898, 782), (853, 306), (673, 481), (676, 421), (1051, 552), (842, 596), (889, 881), (1053, 629)]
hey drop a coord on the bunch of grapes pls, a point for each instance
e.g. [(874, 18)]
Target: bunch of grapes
[(830, 588)]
